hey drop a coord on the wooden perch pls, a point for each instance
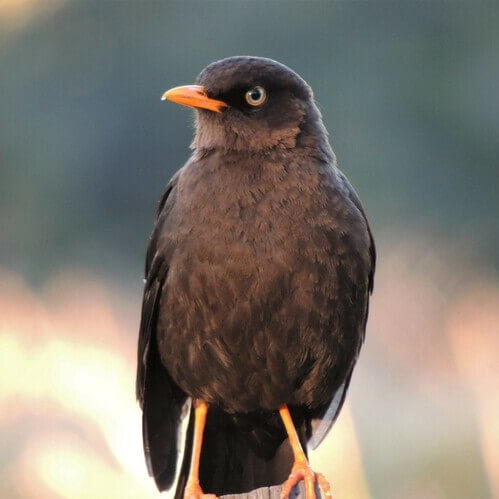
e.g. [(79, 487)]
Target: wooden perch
[(298, 492)]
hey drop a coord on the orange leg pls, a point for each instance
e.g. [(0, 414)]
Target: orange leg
[(301, 468), (193, 489)]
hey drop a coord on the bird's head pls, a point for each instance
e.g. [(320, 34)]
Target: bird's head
[(252, 104)]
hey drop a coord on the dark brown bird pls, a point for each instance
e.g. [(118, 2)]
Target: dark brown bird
[(258, 275)]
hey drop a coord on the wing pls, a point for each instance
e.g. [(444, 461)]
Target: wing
[(323, 419), (161, 400)]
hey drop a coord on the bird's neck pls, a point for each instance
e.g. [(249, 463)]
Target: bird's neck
[(306, 136), (306, 140)]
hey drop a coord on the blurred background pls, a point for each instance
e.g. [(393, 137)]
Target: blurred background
[(409, 93)]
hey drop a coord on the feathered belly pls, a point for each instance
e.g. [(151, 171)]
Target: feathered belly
[(253, 333)]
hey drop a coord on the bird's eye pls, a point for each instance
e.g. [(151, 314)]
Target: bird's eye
[(256, 96)]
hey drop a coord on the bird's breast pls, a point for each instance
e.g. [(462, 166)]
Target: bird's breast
[(254, 289)]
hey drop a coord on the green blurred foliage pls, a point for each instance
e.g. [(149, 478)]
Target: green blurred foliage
[(408, 91)]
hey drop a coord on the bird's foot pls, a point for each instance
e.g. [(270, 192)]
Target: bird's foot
[(194, 491), (302, 471)]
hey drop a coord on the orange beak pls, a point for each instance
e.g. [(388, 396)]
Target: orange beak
[(193, 96)]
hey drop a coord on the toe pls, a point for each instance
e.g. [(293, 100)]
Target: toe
[(288, 485), (310, 485), (324, 486)]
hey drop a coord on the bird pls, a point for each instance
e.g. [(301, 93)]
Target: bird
[(258, 276)]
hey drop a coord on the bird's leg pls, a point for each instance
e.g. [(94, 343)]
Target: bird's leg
[(192, 489), (301, 468)]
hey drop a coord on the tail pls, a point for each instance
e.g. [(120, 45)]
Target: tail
[(241, 453)]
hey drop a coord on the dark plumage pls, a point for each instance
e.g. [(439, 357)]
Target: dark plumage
[(258, 275)]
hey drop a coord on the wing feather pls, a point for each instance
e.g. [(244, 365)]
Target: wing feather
[(323, 419), (161, 400)]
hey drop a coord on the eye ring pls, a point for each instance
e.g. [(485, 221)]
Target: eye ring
[(256, 96)]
